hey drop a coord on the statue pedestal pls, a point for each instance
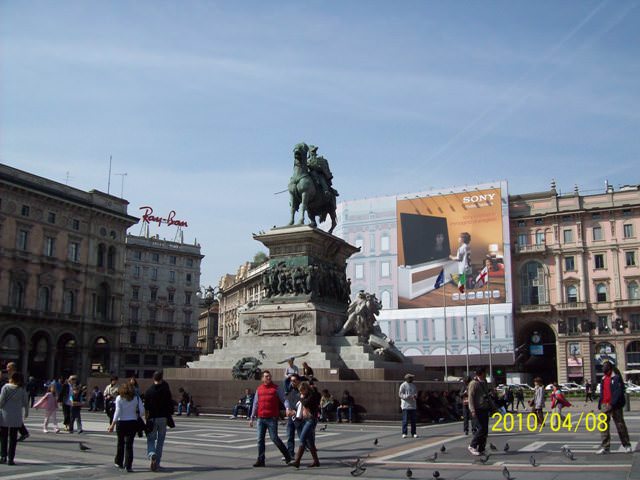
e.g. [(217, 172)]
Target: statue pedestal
[(306, 303)]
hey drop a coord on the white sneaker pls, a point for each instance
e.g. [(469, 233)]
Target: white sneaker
[(416, 436), (473, 451), (45, 430), (602, 451), (628, 449), (404, 435)]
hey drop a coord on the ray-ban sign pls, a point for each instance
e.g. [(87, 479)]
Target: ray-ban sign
[(149, 217)]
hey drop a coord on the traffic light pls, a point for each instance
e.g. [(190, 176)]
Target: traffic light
[(499, 371)]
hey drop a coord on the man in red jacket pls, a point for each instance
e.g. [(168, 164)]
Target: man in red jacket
[(266, 408)]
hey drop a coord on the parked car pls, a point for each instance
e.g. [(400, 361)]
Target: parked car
[(572, 387)]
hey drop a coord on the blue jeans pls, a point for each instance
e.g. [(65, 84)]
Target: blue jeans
[(292, 428), (181, 406), (307, 433), (155, 439), (270, 424), (408, 416), (341, 412)]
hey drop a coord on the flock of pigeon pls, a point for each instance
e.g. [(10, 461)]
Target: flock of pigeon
[(359, 466)]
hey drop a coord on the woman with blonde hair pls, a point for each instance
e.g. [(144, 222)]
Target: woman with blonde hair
[(128, 408)]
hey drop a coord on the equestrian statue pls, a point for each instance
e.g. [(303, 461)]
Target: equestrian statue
[(310, 187)]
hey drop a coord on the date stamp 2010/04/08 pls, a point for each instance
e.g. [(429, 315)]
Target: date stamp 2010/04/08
[(529, 422)]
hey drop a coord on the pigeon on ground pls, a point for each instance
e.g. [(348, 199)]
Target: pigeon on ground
[(532, 461), (443, 448), (506, 447), (483, 459), (83, 447), (433, 457), (506, 474), (358, 471), (375, 442), (436, 474), (568, 453), (323, 428), (493, 447), (409, 473)]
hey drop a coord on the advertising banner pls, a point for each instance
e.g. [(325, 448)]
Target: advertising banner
[(459, 236)]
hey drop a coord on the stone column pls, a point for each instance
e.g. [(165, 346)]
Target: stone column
[(24, 359), (561, 295)]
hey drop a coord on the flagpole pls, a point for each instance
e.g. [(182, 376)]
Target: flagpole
[(490, 327), (466, 327), (446, 370)]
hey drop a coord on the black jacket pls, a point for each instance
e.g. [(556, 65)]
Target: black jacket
[(158, 401), (617, 392)]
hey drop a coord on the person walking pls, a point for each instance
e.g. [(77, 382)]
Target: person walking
[(588, 392), (50, 405), (128, 407), (13, 400), (293, 397), (408, 394), (520, 398), (11, 369), (466, 413), (480, 407), (32, 390), (110, 393), (76, 401), (537, 403), (158, 403), (266, 408), (611, 402), (307, 411), (558, 400)]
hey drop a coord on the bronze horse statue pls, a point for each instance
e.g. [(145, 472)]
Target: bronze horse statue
[(305, 194)]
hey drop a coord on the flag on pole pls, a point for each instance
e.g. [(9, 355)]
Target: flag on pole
[(462, 280), (439, 280), (481, 279)]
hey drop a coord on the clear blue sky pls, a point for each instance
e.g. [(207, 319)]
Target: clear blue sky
[(198, 101)]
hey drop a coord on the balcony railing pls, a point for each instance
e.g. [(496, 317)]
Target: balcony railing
[(534, 308), (633, 302), (565, 307), (536, 248)]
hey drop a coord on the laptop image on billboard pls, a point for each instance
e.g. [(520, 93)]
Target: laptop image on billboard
[(424, 239)]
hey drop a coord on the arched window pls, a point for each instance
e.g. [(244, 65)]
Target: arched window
[(386, 299), (633, 355), (601, 292), (111, 258), (102, 251), (69, 302), (17, 294), (44, 299), (632, 291), (533, 284), (102, 305), (572, 294)]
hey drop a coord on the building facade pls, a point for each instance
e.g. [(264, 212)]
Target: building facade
[(62, 274), (208, 329), (159, 327), (236, 292), (576, 282)]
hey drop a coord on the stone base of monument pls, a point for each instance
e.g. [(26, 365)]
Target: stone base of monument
[(332, 358)]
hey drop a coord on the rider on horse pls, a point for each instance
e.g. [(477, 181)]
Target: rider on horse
[(321, 173)]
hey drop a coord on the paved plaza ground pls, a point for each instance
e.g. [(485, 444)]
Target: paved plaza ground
[(210, 447)]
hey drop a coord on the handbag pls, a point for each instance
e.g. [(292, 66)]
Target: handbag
[(170, 422)]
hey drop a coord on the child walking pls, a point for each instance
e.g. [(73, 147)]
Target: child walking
[(50, 405), (76, 404)]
